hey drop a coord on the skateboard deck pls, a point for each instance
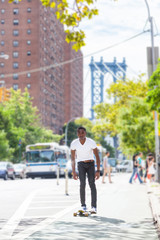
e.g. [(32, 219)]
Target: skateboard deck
[(82, 213)]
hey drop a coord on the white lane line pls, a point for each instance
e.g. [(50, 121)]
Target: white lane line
[(31, 217), (13, 222), (26, 233), (51, 237), (36, 202), (47, 207)]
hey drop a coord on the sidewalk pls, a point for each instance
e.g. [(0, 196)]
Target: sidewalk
[(153, 190)]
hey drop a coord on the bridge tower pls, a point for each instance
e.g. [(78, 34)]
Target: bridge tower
[(98, 71)]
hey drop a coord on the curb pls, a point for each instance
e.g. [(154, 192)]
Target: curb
[(153, 190)]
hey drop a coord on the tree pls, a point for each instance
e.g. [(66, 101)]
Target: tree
[(117, 118), (20, 120), (70, 14), (135, 125), (5, 150), (153, 95), (107, 113), (108, 148)]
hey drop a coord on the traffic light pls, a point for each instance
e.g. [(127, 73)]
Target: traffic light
[(7, 94), (1, 94)]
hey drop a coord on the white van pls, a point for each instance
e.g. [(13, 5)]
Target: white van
[(125, 166)]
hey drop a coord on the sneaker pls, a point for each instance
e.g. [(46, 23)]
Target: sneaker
[(93, 210), (83, 208)]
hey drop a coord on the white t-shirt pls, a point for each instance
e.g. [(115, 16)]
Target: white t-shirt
[(83, 151), (151, 169)]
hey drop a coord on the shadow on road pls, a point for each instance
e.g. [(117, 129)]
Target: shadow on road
[(96, 227)]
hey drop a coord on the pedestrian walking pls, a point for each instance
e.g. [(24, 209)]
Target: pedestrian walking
[(106, 168), (140, 168), (148, 159), (82, 150), (135, 169), (151, 169)]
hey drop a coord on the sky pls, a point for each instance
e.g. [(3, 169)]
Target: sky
[(116, 22)]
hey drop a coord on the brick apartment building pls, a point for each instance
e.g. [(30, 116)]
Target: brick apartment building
[(34, 39)]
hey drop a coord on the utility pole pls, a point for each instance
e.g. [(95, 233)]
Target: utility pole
[(150, 19)]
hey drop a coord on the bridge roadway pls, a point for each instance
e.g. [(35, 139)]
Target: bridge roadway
[(39, 210)]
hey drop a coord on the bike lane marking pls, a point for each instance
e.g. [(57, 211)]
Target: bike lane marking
[(26, 233), (13, 222)]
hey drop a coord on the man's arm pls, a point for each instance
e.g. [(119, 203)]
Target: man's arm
[(97, 162), (73, 154)]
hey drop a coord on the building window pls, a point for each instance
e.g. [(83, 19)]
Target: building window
[(2, 43), (28, 75), (15, 43), (15, 76), (16, 1), (2, 32), (29, 21), (15, 54), (2, 64), (15, 86), (29, 31), (28, 42), (28, 86), (15, 33), (28, 64), (2, 75), (28, 10), (2, 11), (2, 21), (15, 65), (15, 11), (29, 53), (15, 22)]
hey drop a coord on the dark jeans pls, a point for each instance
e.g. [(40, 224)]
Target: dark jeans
[(88, 168), (135, 170)]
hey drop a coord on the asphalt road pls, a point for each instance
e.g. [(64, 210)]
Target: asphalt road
[(39, 209)]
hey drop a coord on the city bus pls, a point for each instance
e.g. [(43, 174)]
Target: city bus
[(62, 158), (42, 159)]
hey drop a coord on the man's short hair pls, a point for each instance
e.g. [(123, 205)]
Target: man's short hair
[(81, 128), (107, 152)]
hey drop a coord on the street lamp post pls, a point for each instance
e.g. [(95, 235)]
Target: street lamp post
[(66, 129), (155, 113)]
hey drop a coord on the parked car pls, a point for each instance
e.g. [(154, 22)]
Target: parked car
[(125, 166), (7, 170), (113, 163), (20, 170)]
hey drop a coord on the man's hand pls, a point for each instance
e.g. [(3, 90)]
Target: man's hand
[(75, 176), (97, 175)]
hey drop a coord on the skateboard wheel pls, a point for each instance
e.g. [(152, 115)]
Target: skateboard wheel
[(74, 214), (86, 214)]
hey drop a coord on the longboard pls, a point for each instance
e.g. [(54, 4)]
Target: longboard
[(82, 213)]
